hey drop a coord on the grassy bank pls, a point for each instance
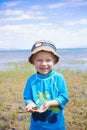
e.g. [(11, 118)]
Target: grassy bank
[(12, 112)]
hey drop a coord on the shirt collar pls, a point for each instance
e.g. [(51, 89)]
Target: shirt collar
[(40, 76)]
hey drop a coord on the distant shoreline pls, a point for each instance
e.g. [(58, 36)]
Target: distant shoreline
[(2, 49)]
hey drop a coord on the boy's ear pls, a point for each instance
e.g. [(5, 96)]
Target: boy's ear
[(54, 60)]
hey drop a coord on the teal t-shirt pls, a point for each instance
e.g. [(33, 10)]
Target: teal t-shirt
[(41, 88)]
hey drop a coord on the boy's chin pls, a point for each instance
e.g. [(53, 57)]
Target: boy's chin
[(44, 73)]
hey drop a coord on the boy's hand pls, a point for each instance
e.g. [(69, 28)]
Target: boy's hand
[(30, 107), (44, 107)]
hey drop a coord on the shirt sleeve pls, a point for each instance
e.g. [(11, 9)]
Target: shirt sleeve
[(62, 98), (27, 95)]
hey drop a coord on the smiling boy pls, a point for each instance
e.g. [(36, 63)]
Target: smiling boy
[(45, 93)]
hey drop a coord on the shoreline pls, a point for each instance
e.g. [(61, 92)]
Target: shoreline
[(73, 66), (70, 58)]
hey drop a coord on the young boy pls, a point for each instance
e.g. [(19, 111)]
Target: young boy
[(45, 93)]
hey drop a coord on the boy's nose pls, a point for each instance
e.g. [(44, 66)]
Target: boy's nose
[(44, 63)]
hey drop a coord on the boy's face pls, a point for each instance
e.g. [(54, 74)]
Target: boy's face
[(43, 62)]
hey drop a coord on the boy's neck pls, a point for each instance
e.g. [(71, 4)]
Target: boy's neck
[(44, 74)]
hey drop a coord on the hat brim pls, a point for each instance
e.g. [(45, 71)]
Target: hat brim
[(45, 48)]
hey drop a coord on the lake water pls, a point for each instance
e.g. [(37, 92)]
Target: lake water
[(74, 59)]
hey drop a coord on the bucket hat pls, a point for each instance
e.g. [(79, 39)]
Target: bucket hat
[(43, 45)]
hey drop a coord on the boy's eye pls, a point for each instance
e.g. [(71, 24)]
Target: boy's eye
[(48, 60), (38, 60)]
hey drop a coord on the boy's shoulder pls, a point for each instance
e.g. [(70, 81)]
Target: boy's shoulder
[(32, 76), (58, 74)]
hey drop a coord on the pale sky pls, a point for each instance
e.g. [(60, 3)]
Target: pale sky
[(22, 22)]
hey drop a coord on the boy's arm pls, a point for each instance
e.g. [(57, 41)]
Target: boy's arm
[(62, 98), (27, 93)]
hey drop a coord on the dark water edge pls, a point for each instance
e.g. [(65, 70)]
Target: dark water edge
[(73, 59)]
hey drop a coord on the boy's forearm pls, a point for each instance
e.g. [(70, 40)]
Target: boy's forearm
[(53, 103)]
